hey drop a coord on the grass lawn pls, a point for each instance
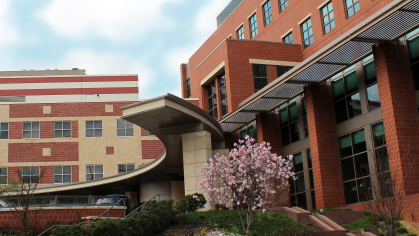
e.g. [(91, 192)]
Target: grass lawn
[(268, 223)]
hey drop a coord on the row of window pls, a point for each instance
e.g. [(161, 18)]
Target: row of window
[(62, 174), (63, 129), (326, 12), (212, 96)]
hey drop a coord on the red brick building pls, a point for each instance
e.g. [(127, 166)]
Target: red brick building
[(334, 83)]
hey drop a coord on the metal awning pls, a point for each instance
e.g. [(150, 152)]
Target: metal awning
[(388, 24)]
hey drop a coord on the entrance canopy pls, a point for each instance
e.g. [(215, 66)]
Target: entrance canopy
[(389, 24)]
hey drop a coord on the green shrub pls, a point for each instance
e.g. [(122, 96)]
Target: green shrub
[(360, 224), (264, 223), (144, 223), (69, 230), (348, 210), (314, 211), (402, 231), (382, 233), (412, 235), (190, 204), (332, 210), (165, 212), (104, 228)]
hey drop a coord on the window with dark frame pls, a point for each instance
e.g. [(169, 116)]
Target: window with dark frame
[(413, 47), (4, 130), (3, 175), (94, 172), (310, 172), (240, 33), (355, 167), (30, 130), (212, 99), (94, 128), (373, 96), (328, 18), (260, 76), (280, 70), (288, 38), (248, 129), (62, 129), (125, 168), (30, 175), (351, 7), (188, 88), (62, 174), (346, 97), (283, 4), (124, 128), (288, 119), (253, 26), (307, 33), (267, 12), (303, 101), (223, 94), (382, 159), (297, 187)]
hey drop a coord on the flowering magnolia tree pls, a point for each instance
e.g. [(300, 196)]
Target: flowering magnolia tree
[(245, 179)]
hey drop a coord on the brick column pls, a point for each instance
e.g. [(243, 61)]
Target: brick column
[(267, 126), (324, 146), (400, 117)]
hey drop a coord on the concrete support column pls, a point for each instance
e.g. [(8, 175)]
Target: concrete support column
[(400, 117), (268, 130), (196, 152), (324, 146)]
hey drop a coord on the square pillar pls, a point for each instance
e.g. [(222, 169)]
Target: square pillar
[(268, 130), (197, 150), (324, 146), (400, 117)]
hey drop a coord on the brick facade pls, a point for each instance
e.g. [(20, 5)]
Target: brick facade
[(110, 150), (152, 149), (399, 111), (267, 126), (32, 152), (324, 146)]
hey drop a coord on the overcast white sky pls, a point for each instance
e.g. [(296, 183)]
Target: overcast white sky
[(148, 38)]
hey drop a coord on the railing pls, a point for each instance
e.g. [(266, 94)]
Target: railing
[(107, 211)]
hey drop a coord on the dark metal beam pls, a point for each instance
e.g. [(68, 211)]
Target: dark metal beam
[(406, 10), (233, 122), (279, 98), (332, 63), (368, 40)]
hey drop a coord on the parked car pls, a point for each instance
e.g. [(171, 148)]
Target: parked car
[(110, 200)]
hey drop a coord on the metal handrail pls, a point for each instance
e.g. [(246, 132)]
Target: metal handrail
[(136, 209), (103, 212)]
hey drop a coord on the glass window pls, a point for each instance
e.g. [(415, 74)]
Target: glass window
[(267, 12), (240, 33), (94, 128), (328, 18), (223, 94), (248, 130), (4, 130), (3, 175), (124, 128), (355, 167), (30, 175), (413, 46), (253, 26), (260, 77), (297, 187), (62, 129), (212, 99), (280, 70), (125, 168), (307, 33), (373, 95), (382, 159), (288, 38), (352, 7), (283, 4), (188, 88), (62, 174), (290, 131), (306, 134), (94, 172), (30, 130), (345, 93)]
